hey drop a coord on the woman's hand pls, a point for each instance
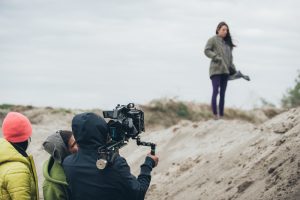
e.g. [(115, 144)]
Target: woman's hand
[(217, 59)]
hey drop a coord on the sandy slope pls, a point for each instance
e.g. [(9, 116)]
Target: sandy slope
[(224, 159)]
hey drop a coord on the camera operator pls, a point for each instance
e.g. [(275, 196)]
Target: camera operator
[(115, 182)]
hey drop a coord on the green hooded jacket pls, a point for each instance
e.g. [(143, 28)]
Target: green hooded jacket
[(55, 186), (221, 56)]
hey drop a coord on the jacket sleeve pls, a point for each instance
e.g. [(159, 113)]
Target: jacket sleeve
[(208, 51), (136, 188), (18, 184)]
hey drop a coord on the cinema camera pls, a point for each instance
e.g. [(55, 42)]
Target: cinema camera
[(126, 122)]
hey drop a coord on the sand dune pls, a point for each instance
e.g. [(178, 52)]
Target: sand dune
[(210, 160), (216, 160)]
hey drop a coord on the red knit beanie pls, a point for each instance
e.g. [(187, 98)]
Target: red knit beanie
[(16, 127)]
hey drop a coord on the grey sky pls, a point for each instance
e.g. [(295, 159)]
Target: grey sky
[(90, 54)]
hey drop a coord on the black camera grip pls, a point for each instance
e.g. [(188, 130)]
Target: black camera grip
[(153, 146)]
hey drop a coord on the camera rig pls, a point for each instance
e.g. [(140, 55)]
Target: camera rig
[(126, 121)]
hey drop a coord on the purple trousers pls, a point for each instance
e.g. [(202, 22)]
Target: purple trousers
[(219, 84)]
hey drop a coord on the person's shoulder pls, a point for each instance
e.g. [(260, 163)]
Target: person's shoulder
[(121, 167), (119, 160), (120, 163), (215, 37), (17, 168), (69, 160), (212, 40)]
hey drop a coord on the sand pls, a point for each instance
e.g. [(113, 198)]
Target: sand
[(207, 160)]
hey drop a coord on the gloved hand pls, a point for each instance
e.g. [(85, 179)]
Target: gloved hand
[(154, 158)]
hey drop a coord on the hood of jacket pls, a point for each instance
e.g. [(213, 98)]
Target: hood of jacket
[(56, 147), (9, 154), (53, 172), (90, 130)]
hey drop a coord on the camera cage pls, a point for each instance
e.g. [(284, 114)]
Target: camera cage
[(126, 122)]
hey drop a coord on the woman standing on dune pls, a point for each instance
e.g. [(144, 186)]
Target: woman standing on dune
[(219, 50)]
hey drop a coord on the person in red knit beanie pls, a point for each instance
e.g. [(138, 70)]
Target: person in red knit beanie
[(16, 127), (18, 178)]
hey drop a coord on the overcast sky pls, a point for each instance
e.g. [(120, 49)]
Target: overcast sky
[(96, 53)]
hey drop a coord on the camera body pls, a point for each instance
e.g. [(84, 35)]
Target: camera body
[(126, 122)]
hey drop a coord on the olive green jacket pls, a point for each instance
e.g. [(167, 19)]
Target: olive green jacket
[(18, 179), (55, 186), (220, 63)]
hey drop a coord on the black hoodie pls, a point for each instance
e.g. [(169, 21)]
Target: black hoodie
[(86, 181), (90, 130)]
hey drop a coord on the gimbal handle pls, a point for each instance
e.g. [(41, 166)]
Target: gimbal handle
[(152, 145)]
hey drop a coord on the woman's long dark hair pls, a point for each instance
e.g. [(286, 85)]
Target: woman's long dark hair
[(227, 39)]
